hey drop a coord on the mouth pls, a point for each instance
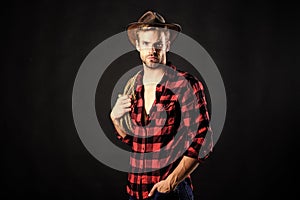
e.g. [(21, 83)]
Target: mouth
[(152, 58)]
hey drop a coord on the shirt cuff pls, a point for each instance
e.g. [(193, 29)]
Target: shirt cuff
[(127, 139)]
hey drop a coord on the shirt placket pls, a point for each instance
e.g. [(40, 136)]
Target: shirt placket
[(147, 118)]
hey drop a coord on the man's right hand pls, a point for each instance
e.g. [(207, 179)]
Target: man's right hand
[(121, 107)]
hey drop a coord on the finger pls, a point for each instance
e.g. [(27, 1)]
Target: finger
[(152, 190), (126, 105), (127, 109), (124, 95), (124, 98), (125, 101)]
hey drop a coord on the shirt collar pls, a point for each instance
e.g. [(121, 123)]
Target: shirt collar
[(169, 75)]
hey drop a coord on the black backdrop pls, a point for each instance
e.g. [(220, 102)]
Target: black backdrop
[(254, 44)]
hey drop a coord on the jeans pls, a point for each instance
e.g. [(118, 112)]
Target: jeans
[(182, 192)]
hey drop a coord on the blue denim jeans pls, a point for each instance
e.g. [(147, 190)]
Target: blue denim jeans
[(182, 192)]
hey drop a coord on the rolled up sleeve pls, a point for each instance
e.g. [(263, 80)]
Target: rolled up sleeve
[(196, 120)]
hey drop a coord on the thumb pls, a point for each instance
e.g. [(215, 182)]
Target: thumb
[(152, 190)]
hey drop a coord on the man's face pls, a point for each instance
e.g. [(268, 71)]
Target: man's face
[(152, 45)]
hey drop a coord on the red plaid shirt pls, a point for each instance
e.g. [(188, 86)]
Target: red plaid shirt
[(176, 126)]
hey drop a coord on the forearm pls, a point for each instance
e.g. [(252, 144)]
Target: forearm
[(186, 166), (116, 123)]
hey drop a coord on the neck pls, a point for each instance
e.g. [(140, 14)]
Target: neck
[(153, 75)]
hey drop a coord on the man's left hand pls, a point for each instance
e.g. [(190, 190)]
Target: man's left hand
[(163, 186)]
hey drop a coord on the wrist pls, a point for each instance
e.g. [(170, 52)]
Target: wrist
[(114, 119), (172, 181)]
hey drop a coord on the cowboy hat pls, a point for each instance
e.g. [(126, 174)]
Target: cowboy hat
[(151, 19)]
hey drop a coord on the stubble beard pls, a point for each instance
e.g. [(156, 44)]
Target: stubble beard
[(152, 65)]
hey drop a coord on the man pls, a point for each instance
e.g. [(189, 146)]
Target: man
[(169, 117)]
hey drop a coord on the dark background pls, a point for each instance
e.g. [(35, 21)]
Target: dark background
[(254, 45)]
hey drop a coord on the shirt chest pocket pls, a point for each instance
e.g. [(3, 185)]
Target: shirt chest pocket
[(166, 114)]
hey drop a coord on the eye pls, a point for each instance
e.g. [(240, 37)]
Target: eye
[(159, 45), (145, 43)]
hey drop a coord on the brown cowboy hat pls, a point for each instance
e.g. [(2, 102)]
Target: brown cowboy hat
[(151, 19)]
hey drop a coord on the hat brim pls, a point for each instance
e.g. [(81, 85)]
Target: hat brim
[(133, 27)]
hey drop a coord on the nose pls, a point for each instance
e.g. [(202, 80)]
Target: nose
[(152, 49)]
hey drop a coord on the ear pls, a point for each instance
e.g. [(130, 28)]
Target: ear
[(137, 46), (168, 44)]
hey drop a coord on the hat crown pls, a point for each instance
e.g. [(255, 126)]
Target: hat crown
[(152, 17)]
